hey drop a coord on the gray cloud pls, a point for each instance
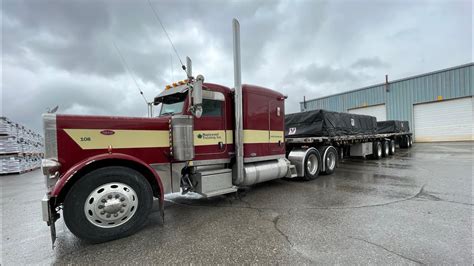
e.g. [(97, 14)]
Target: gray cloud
[(370, 62), (61, 52)]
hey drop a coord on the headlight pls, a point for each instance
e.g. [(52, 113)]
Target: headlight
[(49, 167)]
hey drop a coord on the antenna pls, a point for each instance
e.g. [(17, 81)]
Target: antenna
[(167, 35), (125, 65)]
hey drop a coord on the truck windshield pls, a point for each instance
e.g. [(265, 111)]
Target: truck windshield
[(173, 104)]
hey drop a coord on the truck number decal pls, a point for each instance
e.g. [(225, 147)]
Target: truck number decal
[(85, 138)]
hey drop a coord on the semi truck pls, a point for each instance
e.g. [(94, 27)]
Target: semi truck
[(103, 172)]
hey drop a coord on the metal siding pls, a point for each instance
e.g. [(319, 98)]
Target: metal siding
[(452, 83)]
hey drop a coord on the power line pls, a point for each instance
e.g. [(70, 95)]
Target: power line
[(125, 65), (167, 35)]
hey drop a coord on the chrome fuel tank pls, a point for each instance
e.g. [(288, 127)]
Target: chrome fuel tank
[(264, 171)]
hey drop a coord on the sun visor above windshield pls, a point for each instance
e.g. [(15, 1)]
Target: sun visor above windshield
[(175, 90)]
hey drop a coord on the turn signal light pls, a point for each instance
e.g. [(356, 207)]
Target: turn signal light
[(168, 87), (175, 84)]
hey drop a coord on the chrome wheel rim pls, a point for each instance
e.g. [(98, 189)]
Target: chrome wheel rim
[(331, 161), (379, 150), (312, 164), (386, 149), (111, 205), (392, 146)]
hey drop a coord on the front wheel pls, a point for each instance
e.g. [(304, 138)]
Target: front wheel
[(108, 203)]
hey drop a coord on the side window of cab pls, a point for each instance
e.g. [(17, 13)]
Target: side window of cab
[(212, 108)]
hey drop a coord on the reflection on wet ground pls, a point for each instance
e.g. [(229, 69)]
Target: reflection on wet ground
[(414, 207)]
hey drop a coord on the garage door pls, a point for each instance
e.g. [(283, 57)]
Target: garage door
[(379, 111), (444, 121)]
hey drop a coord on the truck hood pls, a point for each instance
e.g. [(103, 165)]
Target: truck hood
[(79, 137)]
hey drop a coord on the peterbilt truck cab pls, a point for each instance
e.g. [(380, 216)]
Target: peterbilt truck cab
[(104, 171)]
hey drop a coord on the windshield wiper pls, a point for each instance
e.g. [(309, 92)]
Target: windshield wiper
[(167, 113)]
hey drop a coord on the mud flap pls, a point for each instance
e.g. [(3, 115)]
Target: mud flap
[(162, 211), (50, 216)]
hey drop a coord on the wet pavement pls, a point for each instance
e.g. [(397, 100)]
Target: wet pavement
[(411, 208)]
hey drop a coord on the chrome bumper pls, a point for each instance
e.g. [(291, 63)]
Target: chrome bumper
[(49, 216), (46, 209)]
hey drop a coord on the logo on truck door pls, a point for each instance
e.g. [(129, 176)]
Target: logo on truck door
[(292, 131)]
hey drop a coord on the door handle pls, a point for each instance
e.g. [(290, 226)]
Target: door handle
[(221, 145)]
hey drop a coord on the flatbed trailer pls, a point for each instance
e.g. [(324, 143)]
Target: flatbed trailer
[(348, 139), (329, 150)]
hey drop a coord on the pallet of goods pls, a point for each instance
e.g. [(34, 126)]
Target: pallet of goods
[(21, 149)]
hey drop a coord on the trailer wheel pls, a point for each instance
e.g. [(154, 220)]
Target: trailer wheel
[(392, 147), (385, 148), (312, 165), (377, 150), (108, 203), (404, 142), (410, 141)]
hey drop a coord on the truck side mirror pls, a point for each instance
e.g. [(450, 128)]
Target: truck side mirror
[(196, 97)]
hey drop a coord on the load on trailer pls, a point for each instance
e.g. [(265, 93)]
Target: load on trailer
[(104, 171)]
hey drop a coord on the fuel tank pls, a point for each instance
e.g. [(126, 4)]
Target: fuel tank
[(264, 171)]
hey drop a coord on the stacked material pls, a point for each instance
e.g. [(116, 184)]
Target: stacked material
[(21, 149), (392, 126), (318, 123)]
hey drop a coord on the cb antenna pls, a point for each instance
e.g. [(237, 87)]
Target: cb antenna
[(167, 35), (130, 73)]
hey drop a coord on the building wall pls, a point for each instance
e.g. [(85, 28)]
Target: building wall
[(456, 82)]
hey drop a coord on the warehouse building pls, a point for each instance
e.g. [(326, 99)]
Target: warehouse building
[(438, 105)]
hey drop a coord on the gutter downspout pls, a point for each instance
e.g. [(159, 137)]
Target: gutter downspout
[(238, 132)]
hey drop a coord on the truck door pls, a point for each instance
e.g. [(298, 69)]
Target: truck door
[(209, 130), (277, 123)]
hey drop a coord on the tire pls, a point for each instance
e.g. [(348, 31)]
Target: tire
[(127, 200), (385, 148), (331, 159), (404, 142), (377, 150), (410, 141), (312, 165), (392, 147), (341, 153)]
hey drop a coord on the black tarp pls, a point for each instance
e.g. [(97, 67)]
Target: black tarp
[(392, 126), (318, 123)]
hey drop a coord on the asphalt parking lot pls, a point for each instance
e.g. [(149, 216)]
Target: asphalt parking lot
[(412, 208)]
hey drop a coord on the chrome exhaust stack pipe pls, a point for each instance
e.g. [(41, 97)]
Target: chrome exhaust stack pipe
[(238, 136), (189, 68)]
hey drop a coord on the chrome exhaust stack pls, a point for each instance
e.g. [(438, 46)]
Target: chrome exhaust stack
[(238, 176)]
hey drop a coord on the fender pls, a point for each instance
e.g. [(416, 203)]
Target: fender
[(77, 167)]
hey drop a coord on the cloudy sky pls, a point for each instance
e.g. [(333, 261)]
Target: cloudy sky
[(62, 52)]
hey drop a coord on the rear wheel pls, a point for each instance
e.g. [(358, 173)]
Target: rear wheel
[(108, 203), (312, 165), (377, 150), (404, 142), (392, 147), (330, 161), (385, 148)]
